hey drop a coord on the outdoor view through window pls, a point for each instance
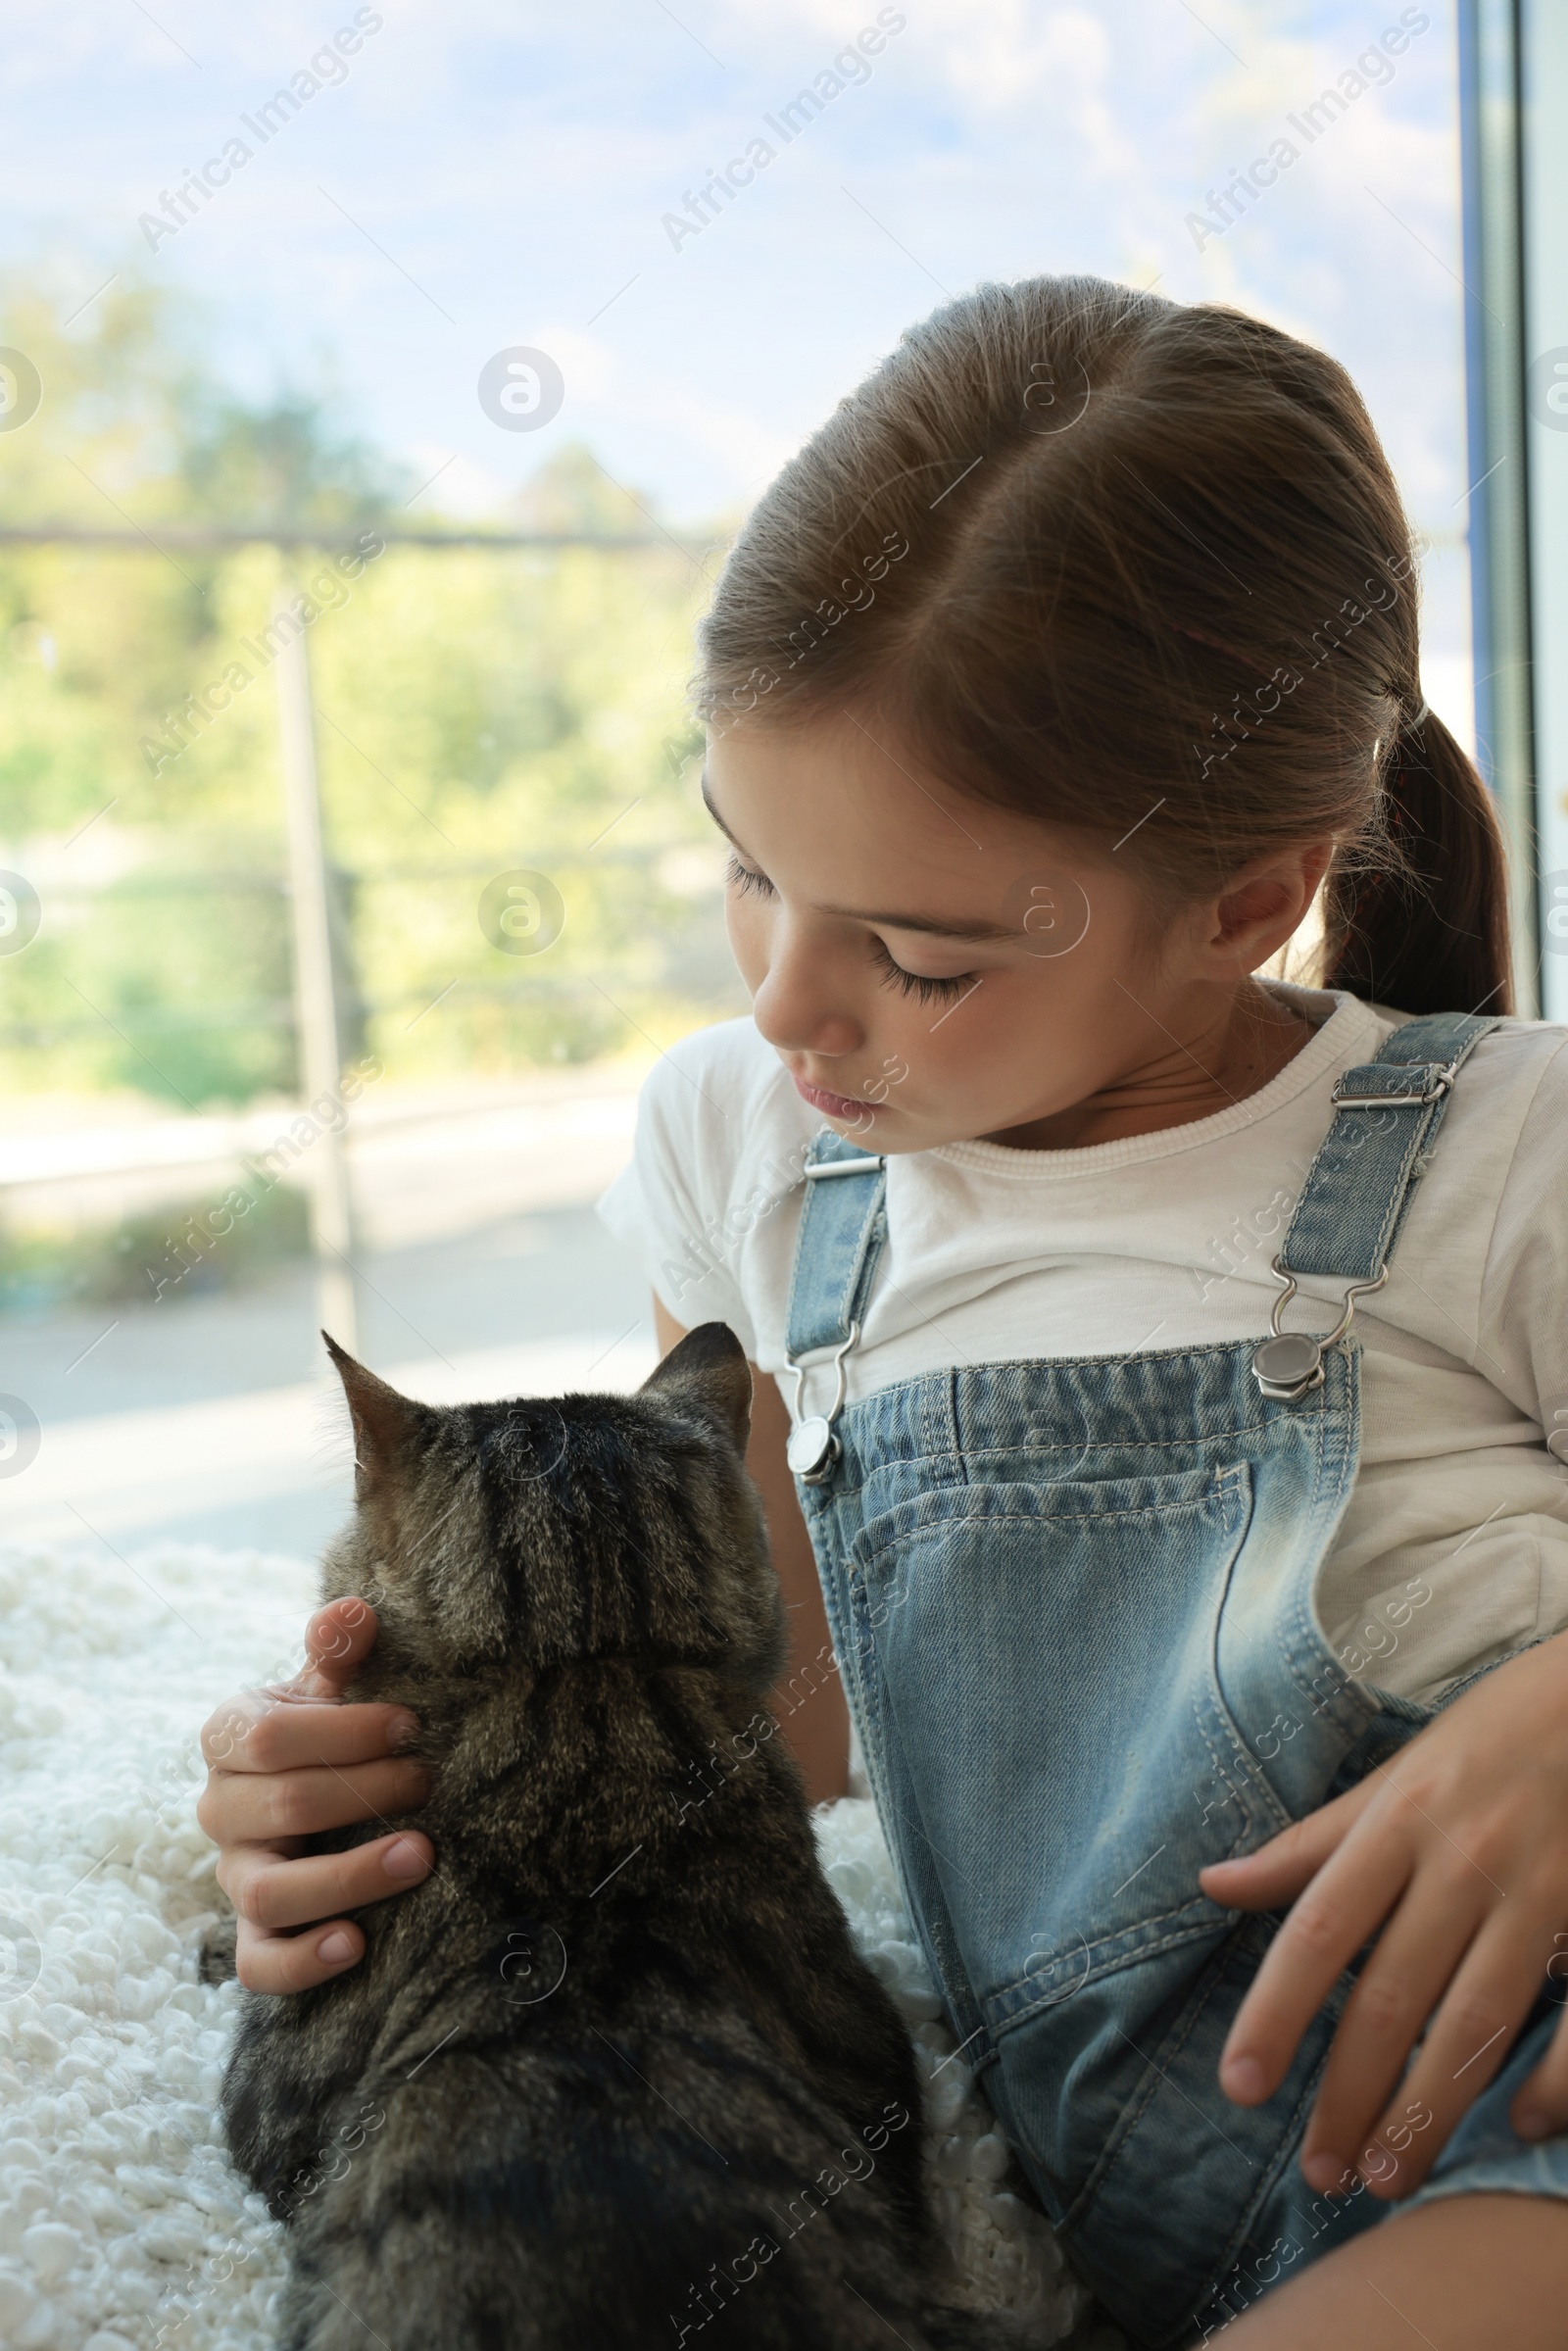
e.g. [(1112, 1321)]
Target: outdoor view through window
[(408, 375)]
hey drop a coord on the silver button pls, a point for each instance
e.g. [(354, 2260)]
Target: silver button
[(1288, 1364), (813, 1447)]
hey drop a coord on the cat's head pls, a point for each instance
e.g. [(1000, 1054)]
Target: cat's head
[(493, 1537)]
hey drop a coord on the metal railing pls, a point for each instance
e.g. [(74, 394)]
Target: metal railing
[(318, 1009)]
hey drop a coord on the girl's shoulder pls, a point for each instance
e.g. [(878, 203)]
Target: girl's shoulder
[(1508, 1065), (1505, 1118), (720, 1145), (1514, 1114), (718, 1103), (734, 1048), (1484, 1253), (1518, 1070), (1520, 1045)]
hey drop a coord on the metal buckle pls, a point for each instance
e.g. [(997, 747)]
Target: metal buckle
[(813, 1448), (1393, 1102), (1288, 1364), (837, 1167)]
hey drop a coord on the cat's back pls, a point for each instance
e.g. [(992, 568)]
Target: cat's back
[(614, 2167)]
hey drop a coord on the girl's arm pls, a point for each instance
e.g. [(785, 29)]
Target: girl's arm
[(1473, 2273), (808, 1703)]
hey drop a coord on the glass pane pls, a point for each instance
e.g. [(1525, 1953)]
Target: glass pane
[(577, 275)]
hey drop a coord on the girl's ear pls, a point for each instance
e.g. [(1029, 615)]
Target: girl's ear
[(709, 1365), (384, 1422), (1265, 903)]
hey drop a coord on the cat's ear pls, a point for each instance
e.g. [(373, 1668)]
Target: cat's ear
[(710, 1365), (384, 1422)]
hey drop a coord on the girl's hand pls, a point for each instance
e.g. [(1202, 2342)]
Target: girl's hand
[(1454, 1854), (285, 1762)]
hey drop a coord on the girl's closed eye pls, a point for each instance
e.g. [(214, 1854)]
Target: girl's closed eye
[(925, 985), (928, 989), (744, 878)]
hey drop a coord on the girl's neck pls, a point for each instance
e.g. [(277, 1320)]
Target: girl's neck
[(1216, 1063)]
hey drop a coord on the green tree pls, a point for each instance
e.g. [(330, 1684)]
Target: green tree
[(479, 712)]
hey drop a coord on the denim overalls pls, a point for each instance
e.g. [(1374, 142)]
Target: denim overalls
[(1072, 1599)]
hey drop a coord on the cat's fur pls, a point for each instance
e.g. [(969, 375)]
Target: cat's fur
[(618, 2045)]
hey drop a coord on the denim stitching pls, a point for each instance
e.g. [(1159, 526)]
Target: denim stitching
[(1170, 2050), (1289, 2140), (1026, 1518), (1022, 1448), (1115, 1963)]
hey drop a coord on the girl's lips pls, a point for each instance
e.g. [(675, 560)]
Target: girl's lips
[(836, 1106)]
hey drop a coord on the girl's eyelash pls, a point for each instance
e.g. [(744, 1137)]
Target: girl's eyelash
[(741, 877), (911, 983), (916, 983)]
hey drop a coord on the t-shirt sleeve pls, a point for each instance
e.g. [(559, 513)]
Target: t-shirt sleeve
[(1524, 1324), (669, 1203)]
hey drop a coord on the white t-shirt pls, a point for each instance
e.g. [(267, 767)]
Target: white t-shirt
[(1453, 1550)]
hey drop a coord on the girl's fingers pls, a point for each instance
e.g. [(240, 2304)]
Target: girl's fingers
[(241, 1808), (274, 1892), (1416, 1956), (1466, 2042), (1541, 2105), (336, 1638), (275, 1963), (1277, 1871), (1341, 1909), (254, 1733)]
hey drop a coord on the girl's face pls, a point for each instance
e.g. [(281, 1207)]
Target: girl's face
[(930, 969)]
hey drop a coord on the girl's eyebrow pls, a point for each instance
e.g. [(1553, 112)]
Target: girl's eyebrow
[(940, 927)]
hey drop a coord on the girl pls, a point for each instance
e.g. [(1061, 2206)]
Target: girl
[(1172, 1355)]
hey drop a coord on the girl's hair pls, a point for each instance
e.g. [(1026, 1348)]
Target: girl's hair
[(1112, 562)]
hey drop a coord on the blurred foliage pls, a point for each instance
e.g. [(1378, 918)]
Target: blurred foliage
[(121, 1264), (478, 710)]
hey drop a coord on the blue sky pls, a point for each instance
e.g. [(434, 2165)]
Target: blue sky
[(488, 175)]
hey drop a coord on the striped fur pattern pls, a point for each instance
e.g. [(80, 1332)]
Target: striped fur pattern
[(613, 2075)]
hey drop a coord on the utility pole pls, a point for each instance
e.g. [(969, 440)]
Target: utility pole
[(315, 994)]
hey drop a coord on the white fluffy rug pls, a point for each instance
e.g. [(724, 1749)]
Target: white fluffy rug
[(122, 2226)]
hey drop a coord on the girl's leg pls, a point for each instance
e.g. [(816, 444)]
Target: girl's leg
[(1469, 2272)]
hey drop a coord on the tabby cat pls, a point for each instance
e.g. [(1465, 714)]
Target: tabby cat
[(613, 2075)]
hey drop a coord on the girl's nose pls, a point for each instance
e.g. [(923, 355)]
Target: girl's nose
[(797, 1013)]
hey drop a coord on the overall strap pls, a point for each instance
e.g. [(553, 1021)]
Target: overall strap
[(1387, 1114), (842, 1232), (843, 1226)]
